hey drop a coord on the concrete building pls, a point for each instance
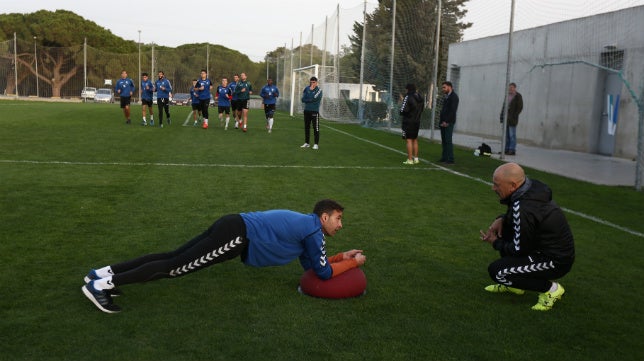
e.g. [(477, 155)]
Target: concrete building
[(574, 98)]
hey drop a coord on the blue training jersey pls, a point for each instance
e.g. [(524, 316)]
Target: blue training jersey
[(124, 87), (205, 93), (232, 87), (147, 89), (277, 237), (194, 96), (269, 94), (163, 88), (222, 96)]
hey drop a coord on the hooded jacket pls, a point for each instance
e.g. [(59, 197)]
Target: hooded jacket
[(534, 224)]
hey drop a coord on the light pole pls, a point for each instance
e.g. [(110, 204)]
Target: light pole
[(36, 60), (139, 65)]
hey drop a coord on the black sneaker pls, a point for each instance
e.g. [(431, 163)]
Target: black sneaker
[(91, 276), (100, 299)]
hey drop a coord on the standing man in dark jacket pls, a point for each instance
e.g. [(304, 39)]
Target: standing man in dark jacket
[(411, 109), (311, 98), (533, 238), (515, 106), (447, 121)]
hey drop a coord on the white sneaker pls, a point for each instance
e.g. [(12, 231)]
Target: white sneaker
[(315, 146), (305, 145)]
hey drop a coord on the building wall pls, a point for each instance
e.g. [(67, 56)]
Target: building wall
[(562, 102)]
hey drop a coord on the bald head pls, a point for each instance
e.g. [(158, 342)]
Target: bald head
[(507, 178), (510, 172)]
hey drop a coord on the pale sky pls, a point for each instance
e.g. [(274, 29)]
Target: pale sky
[(255, 27)]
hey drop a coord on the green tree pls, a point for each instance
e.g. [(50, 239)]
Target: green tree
[(60, 36), (414, 49)]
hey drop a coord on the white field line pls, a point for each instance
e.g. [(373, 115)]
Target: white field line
[(437, 167), (476, 179), (208, 165)]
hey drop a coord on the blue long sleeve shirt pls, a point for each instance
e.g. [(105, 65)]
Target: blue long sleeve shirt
[(277, 237), (147, 89), (269, 94), (124, 87), (312, 98), (167, 88)]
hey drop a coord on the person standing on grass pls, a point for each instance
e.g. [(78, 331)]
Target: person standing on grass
[(204, 89), (260, 239), (223, 96), (411, 109), (125, 88), (447, 122), (515, 106), (533, 238), (147, 92), (269, 95), (234, 102), (243, 90), (194, 102), (311, 97), (164, 90)]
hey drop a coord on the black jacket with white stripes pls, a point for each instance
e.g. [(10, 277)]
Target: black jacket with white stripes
[(534, 224)]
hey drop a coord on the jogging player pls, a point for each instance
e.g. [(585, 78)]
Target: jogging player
[(269, 94), (125, 88), (164, 90)]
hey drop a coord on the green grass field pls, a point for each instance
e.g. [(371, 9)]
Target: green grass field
[(80, 189)]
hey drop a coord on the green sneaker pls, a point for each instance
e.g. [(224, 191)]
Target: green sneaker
[(408, 162), (498, 288), (548, 299)]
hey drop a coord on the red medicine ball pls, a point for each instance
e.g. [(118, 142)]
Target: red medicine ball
[(351, 283)]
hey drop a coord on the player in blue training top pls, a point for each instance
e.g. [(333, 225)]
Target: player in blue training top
[(269, 94), (235, 101), (147, 91), (223, 96), (194, 101), (164, 90), (243, 90), (267, 238), (204, 89), (125, 88)]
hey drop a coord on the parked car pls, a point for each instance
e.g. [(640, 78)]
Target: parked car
[(181, 99), (88, 93), (104, 95)]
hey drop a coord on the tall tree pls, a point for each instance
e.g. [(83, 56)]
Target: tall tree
[(58, 35), (414, 49)]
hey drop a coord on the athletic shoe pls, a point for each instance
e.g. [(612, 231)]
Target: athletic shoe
[(144, 123), (270, 130), (548, 299), (408, 162), (152, 122), (416, 161), (161, 125), (305, 145), (169, 121), (205, 125), (315, 146), (194, 125), (100, 299), (498, 288), (245, 130), (91, 276), (128, 121)]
